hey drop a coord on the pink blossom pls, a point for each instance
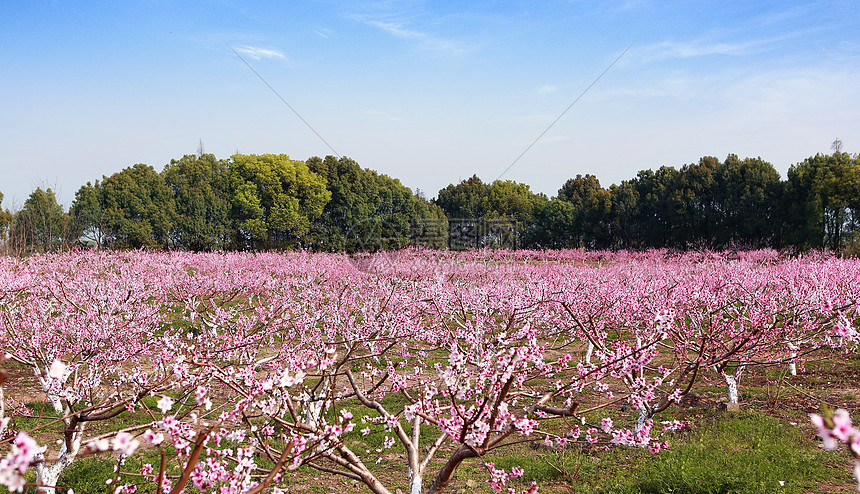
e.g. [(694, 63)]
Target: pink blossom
[(165, 404)]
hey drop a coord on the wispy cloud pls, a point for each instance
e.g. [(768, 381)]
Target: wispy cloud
[(547, 89), (426, 40), (258, 53), (323, 32), (700, 48), (396, 29)]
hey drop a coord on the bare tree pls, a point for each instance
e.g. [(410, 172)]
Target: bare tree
[(836, 146)]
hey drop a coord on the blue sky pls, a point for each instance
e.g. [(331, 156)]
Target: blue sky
[(427, 92)]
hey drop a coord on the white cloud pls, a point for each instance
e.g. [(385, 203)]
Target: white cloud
[(258, 53), (699, 48), (426, 40), (398, 30), (323, 32), (547, 89)]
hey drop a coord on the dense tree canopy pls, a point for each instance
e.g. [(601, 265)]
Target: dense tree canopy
[(368, 211), (201, 192), (274, 200), (270, 201), (138, 207)]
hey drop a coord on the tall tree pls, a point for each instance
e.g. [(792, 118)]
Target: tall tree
[(87, 214), (656, 219), (592, 204), (274, 200), (747, 200), (556, 226), (200, 188), (822, 197), (510, 212), (624, 199), (42, 225), (370, 211), (5, 221), (138, 208), (464, 200)]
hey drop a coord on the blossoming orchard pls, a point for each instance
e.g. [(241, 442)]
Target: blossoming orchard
[(235, 373)]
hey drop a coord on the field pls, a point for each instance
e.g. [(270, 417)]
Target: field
[(426, 371)]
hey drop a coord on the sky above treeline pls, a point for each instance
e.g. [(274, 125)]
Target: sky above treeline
[(426, 92)]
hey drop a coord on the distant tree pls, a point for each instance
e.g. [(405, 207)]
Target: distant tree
[(42, 225), (274, 200), (747, 203), (138, 208), (5, 221), (657, 216), (369, 210), (513, 202), (464, 200), (822, 197), (624, 200), (836, 146), (556, 226), (87, 214), (592, 204), (200, 186)]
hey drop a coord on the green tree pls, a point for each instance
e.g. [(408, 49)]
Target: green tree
[(556, 226), (200, 186), (465, 200), (5, 221), (624, 200), (593, 205), (42, 225), (821, 200), (656, 219), (87, 214), (513, 202), (747, 200), (138, 208), (275, 200), (693, 206), (370, 211)]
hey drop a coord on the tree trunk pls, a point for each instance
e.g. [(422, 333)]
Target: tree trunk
[(732, 385), (644, 415), (792, 366)]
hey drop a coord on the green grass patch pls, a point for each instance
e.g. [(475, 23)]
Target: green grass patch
[(747, 453)]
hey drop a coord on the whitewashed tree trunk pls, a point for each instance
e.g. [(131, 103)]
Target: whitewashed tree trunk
[(413, 453), (792, 366), (589, 351), (47, 473), (732, 384), (643, 417), (414, 482)]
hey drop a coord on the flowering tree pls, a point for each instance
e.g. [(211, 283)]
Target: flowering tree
[(250, 367)]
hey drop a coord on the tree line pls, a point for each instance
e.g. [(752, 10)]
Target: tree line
[(735, 203), (266, 202)]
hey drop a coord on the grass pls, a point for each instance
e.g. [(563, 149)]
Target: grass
[(741, 453), (748, 453)]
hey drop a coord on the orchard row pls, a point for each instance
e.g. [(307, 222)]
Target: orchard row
[(251, 366)]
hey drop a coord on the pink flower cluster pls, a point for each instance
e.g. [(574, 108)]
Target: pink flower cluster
[(17, 461), (837, 427)]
